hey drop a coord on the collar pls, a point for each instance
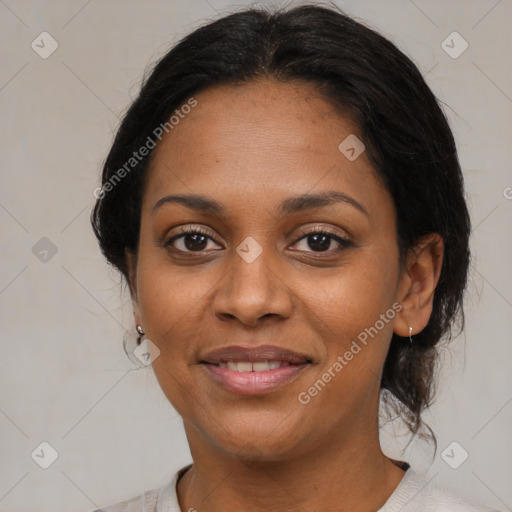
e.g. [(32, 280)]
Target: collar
[(168, 496)]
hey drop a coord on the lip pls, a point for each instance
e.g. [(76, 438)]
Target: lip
[(259, 382), (254, 354)]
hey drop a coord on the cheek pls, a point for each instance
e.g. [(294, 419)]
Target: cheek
[(170, 304), (354, 309), (355, 296), (169, 295)]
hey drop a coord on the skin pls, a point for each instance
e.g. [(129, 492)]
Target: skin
[(250, 147)]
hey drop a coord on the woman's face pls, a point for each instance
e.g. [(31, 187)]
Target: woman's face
[(254, 275)]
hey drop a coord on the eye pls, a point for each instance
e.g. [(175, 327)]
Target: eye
[(320, 239), (196, 239), (190, 239)]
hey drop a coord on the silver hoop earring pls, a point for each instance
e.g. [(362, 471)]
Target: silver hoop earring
[(410, 331), (140, 330)]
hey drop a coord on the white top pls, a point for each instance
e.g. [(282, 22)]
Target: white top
[(413, 494)]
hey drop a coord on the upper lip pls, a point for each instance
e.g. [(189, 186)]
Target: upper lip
[(254, 354)]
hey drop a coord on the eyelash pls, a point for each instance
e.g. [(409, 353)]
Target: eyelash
[(344, 242), (190, 230)]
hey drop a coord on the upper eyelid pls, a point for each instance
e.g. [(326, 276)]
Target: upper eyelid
[(320, 229), (193, 228)]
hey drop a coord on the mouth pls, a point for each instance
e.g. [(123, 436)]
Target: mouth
[(253, 371), (252, 366)]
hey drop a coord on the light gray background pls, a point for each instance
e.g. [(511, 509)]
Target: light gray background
[(65, 377)]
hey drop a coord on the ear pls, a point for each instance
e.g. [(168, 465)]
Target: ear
[(131, 263), (418, 283)]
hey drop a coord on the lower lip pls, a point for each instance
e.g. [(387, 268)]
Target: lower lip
[(254, 383)]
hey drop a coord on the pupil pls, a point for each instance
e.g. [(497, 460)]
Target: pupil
[(195, 245), (318, 242)]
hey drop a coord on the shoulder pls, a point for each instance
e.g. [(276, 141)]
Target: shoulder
[(144, 502), (417, 494)]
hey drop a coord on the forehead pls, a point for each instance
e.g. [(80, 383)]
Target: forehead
[(260, 141)]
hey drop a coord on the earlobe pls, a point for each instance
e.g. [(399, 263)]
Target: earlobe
[(419, 281)]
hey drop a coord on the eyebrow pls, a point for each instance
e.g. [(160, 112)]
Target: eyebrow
[(288, 206)]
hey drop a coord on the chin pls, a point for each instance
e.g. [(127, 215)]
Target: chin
[(251, 439)]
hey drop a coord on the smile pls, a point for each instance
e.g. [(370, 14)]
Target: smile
[(253, 370), (253, 378), (248, 366)]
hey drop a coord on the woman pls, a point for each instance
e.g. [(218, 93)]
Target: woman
[(285, 201)]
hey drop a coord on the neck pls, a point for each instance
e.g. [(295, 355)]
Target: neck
[(353, 473)]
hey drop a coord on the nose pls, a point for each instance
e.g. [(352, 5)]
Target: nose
[(251, 292)]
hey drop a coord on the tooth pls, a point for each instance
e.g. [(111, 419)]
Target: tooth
[(244, 367), (261, 366), (247, 366)]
